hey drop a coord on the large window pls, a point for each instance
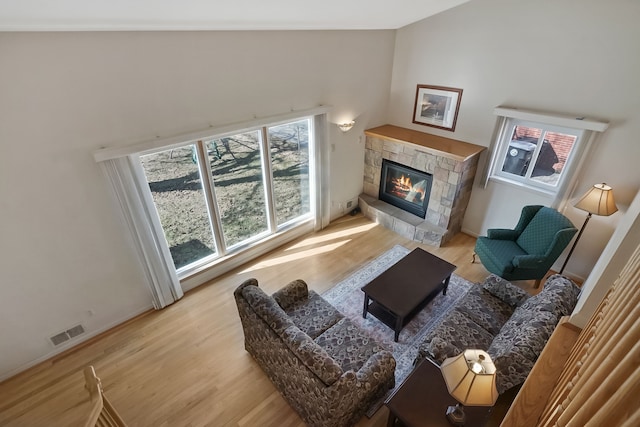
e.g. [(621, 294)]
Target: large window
[(198, 205), (217, 195)]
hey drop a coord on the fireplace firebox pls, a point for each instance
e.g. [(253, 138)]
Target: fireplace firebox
[(405, 187)]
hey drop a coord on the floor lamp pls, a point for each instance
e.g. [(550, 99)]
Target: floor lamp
[(598, 200)]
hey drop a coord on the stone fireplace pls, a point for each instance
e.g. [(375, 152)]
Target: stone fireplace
[(451, 166)]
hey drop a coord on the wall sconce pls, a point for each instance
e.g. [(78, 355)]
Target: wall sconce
[(346, 127)]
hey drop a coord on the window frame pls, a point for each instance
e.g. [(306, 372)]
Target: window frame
[(502, 148), (590, 129), (222, 249)]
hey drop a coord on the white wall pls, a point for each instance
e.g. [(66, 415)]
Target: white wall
[(567, 56), (616, 254), (65, 256)]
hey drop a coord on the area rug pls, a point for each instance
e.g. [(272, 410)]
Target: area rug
[(347, 297)]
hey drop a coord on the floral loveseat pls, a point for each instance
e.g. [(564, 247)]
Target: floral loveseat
[(328, 369), (506, 322)]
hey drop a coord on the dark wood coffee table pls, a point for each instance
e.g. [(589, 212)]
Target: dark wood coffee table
[(422, 401), (396, 295)]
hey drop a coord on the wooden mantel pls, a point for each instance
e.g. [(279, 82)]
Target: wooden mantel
[(438, 145)]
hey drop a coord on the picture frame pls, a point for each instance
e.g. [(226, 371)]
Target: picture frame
[(437, 106)]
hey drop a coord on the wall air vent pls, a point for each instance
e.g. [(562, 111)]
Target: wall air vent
[(67, 335)]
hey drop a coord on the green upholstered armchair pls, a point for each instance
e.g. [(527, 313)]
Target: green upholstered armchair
[(528, 251)]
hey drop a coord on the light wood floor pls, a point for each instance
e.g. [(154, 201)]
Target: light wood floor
[(186, 365)]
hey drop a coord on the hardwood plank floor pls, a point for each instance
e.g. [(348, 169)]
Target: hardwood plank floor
[(186, 365)]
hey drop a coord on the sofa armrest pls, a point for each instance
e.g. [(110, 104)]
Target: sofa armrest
[(296, 290), (502, 234), (314, 357), (437, 350), (505, 290), (379, 365), (379, 368), (511, 369), (237, 293)]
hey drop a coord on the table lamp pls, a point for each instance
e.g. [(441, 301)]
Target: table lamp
[(471, 380), (598, 200)]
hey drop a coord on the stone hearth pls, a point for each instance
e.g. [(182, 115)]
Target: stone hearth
[(453, 165)]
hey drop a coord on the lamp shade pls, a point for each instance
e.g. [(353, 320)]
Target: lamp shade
[(471, 378), (598, 200)]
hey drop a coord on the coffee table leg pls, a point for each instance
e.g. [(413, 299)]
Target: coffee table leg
[(446, 285), (398, 328), (391, 421), (366, 306)]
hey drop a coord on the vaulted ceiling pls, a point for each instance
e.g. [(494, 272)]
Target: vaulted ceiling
[(160, 15)]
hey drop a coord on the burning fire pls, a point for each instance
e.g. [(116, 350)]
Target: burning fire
[(408, 191), (403, 183)]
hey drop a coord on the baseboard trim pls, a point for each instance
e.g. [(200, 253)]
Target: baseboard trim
[(65, 350)]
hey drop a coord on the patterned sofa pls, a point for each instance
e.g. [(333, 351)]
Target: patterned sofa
[(328, 369), (506, 322)]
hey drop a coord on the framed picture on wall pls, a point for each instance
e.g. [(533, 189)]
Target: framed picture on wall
[(437, 106)]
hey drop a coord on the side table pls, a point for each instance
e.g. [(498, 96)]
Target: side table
[(422, 401)]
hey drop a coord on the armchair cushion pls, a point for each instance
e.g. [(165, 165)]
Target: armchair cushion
[(497, 255), (502, 234), (528, 261)]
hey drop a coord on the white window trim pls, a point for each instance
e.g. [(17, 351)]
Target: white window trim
[(564, 120), (590, 127), (160, 142)]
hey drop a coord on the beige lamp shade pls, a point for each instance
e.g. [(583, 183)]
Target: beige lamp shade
[(471, 378), (598, 200)]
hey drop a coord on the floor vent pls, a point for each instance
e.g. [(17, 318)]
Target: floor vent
[(67, 335)]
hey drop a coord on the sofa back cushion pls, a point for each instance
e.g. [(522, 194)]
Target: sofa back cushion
[(485, 309), (266, 307), (525, 333), (312, 356)]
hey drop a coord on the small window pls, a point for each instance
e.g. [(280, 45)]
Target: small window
[(535, 154)]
